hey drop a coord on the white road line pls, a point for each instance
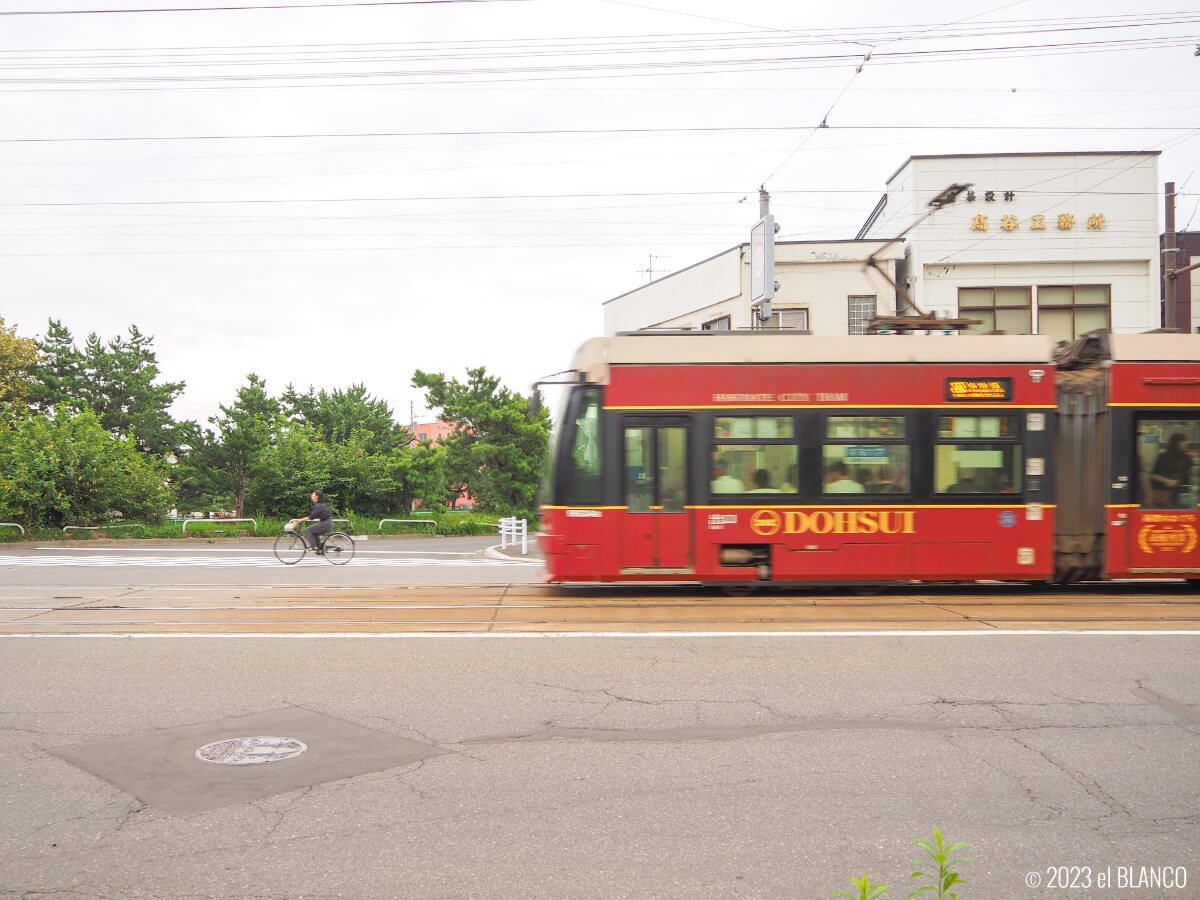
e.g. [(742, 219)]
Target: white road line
[(498, 635), (115, 561), (358, 551)]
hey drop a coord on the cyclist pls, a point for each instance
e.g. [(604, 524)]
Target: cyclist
[(322, 517)]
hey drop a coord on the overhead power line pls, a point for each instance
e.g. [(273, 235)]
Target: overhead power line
[(182, 9), (727, 129), (470, 62)]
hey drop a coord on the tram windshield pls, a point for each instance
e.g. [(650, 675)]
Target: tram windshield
[(573, 476)]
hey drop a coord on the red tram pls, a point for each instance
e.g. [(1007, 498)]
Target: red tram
[(733, 459)]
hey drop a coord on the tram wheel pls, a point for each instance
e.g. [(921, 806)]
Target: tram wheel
[(739, 590), (869, 590)]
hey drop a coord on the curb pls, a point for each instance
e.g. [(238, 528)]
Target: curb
[(494, 552)]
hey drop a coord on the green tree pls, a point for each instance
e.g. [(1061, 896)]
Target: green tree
[(62, 467), (419, 473), (223, 463), (340, 415), (118, 379), (499, 441), (288, 469), (17, 358), (59, 374)]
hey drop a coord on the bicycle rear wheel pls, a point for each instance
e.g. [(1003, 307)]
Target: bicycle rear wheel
[(289, 548), (339, 548)]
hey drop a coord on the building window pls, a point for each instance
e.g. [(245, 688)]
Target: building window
[(1066, 312), (721, 324), (783, 320), (1005, 309), (861, 311)]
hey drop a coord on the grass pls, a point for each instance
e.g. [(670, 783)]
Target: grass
[(449, 522)]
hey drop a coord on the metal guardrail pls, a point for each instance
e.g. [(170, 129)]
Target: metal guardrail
[(220, 522), (13, 525), (101, 527), (518, 530), (409, 522)]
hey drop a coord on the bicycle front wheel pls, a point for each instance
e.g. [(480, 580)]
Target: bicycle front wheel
[(289, 548), (339, 548)]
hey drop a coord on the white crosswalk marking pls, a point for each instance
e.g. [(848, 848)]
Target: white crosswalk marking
[(229, 562)]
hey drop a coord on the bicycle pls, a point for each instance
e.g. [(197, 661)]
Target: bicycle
[(337, 547)]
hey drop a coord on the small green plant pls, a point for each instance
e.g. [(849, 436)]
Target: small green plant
[(945, 877), (866, 890)]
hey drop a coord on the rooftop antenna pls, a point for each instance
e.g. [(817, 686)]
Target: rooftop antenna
[(649, 271)]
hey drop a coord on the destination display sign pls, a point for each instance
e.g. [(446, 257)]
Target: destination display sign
[(979, 390)]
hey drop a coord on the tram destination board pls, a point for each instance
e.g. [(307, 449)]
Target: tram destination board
[(979, 390)]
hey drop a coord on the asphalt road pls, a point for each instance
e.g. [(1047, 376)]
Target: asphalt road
[(479, 736), (597, 767), (251, 561)]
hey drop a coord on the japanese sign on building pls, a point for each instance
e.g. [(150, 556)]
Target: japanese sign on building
[(1061, 222)]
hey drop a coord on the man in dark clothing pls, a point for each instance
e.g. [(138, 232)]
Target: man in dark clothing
[(1170, 476), (321, 516)]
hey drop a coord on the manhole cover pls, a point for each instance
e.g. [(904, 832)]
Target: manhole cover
[(250, 751)]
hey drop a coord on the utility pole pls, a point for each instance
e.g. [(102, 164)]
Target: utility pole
[(1168, 260), (1171, 317), (764, 203)]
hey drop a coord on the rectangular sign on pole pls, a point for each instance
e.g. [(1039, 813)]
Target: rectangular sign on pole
[(762, 261)]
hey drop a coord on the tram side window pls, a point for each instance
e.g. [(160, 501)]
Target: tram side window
[(583, 460), (977, 455), (851, 465), (1167, 462), (754, 455)]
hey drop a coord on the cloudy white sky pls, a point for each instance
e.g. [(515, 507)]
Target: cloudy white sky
[(336, 192)]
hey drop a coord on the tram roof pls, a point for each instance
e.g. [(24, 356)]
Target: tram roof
[(1154, 347), (595, 357)]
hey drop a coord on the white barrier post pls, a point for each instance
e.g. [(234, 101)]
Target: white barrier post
[(514, 528)]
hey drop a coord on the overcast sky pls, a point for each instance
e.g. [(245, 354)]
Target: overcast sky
[(347, 192)]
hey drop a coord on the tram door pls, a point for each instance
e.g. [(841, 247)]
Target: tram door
[(1165, 532), (657, 530)]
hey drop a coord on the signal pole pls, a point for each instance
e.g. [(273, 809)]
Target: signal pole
[(762, 260)]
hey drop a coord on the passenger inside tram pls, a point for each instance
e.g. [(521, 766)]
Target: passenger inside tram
[(1169, 479), (723, 482), (966, 483), (762, 483), (838, 480)]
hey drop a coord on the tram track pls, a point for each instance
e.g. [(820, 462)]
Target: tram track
[(523, 608)]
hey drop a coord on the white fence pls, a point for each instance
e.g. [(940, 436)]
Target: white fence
[(517, 530), (188, 522), (409, 522)]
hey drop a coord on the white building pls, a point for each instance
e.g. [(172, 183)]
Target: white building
[(826, 287), (1041, 243)]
